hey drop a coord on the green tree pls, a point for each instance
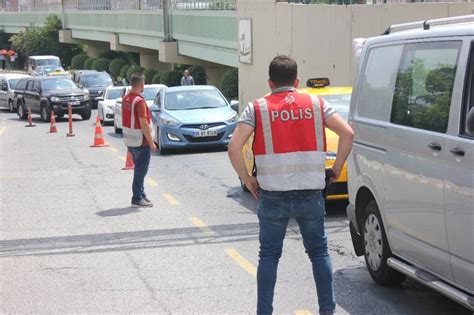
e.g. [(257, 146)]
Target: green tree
[(149, 75), (101, 64), (88, 63), (77, 61), (230, 84), (156, 78), (171, 78), (134, 69), (123, 71), (115, 66), (199, 75)]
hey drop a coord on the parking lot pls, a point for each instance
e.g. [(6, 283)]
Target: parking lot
[(69, 242)]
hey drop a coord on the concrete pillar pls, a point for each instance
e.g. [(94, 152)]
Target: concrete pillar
[(150, 61), (94, 50), (215, 73)]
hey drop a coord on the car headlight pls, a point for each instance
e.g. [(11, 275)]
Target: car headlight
[(330, 155), (232, 117), (110, 107), (86, 97), (86, 91), (55, 99), (168, 120)]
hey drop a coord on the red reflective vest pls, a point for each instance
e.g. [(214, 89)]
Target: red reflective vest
[(128, 102), (290, 141)]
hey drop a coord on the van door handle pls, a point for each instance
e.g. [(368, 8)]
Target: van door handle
[(435, 146), (458, 151)]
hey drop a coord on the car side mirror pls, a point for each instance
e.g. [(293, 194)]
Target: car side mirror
[(4, 87), (470, 121), (38, 90), (234, 104), (155, 108), (100, 98)]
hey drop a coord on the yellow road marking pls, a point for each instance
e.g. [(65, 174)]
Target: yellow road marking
[(123, 158), (171, 199), (303, 312), (151, 182), (113, 149), (2, 130), (242, 262), (202, 226)]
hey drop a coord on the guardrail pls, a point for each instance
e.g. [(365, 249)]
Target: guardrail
[(80, 5)]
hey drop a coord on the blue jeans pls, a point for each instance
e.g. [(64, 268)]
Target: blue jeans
[(141, 158), (274, 211)]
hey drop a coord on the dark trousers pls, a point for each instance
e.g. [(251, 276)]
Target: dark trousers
[(141, 158)]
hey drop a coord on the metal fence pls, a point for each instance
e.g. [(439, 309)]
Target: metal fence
[(79, 5)]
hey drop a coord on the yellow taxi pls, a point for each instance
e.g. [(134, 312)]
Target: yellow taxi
[(59, 73), (339, 98)]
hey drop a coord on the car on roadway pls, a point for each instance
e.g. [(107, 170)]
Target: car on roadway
[(339, 97), (39, 61), (411, 169), (46, 70), (44, 94), (195, 116), (149, 93), (95, 83), (106, 103), (7, 89)]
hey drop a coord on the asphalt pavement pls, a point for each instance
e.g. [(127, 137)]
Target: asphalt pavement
[(70, 243)]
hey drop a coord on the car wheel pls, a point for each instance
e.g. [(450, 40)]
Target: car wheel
[(45, 114), (86, 115), (117, 130), (10, 106), (21, 110), (377, 249), (162, 150), (244, 187)]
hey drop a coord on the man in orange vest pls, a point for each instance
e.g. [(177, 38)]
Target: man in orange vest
[(137, 136), (289, 148)]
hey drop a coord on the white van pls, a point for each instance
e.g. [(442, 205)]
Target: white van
[(411, 170), (35, 61)]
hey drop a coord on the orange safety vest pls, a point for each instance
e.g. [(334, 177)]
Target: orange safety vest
[(290, 141)]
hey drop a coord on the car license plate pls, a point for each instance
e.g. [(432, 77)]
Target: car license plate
[(205, 133), (76, 103)]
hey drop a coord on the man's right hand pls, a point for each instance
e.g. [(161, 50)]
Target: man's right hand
[(252, 185)]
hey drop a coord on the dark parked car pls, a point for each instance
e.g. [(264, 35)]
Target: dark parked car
[(43, 94), (96, 83)]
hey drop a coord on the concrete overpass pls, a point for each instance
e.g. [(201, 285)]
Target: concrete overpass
[(188, 32)]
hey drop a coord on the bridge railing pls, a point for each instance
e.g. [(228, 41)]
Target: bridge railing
[(79, 5)]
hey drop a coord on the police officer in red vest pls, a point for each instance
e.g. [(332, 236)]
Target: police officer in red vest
[(289, 148), (137, 136)]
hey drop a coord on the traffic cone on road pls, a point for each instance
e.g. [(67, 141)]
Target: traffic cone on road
[(129, 164), (30, 119), (52, 128), (99, 140)]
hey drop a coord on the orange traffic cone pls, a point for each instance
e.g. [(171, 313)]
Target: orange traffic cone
[(129, 164), (52, 128), (99, 140), (30, 119)]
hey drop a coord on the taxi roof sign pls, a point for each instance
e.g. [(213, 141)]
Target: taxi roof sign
[(317, 82)]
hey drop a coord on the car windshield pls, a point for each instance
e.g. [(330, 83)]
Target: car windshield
[(97, 80), (48, 69), (45, 62), (114, 93), (340, 102), (149, 93), (58, 84), (194, 99), (13, 83)]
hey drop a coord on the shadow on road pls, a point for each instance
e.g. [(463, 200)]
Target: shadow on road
[(357, 293), (117, 212)]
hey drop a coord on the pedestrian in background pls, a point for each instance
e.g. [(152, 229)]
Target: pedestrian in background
[(289, 148), (187, 79), (138, 137)]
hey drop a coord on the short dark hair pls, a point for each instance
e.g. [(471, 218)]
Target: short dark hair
[(136, 79), (283, 70)]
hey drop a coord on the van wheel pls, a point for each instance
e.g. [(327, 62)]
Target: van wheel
[(377, 249), (21, 110), (45, 114)]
